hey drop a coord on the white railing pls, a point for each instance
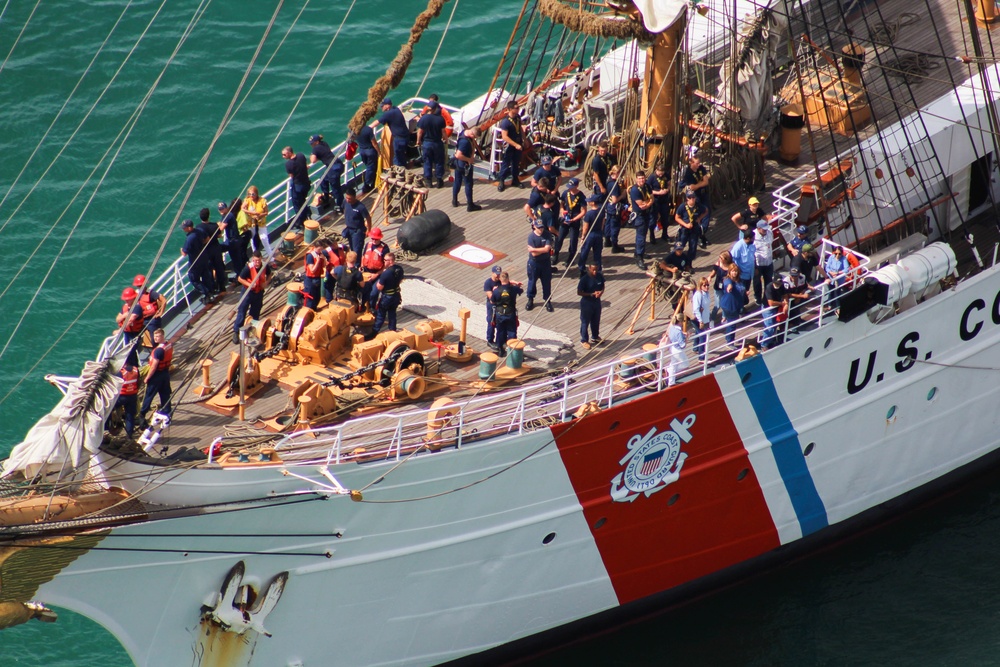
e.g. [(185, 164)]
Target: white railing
[(551, 401)]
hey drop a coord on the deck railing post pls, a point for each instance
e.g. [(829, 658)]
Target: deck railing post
[(562, 401)]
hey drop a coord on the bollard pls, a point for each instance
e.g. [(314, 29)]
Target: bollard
[(312, 231), (205, 388), (294, 295), (487, 365), (515, 353), (288, 244)]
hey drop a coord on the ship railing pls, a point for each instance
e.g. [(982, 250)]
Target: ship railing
[(555, 400)]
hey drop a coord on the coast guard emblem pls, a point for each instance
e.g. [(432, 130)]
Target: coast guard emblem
[(653, 462)]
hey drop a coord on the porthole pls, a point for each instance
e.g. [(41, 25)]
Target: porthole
[(829, 341), (746, 377), (613, 426), (890, 416), (548, 538), (673, 499), (680, 403), (809, 448), (932, 394), (743, 474), (809, 351), (600, 523)]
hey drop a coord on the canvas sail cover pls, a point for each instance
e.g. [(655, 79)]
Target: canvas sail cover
[(753, 69), (61, 443)]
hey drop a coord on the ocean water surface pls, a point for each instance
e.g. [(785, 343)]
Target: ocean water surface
[(90, 190)]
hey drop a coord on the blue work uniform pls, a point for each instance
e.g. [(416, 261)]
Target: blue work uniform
[(689, 237), (690, 177), (158, 384), (236, 243), (594, 221), (599, 168), (504, 300), (332, 177), (489, 286), (511, 165), (463, 170), (612, 214), (354, 224), (663, 205), (572, 206), (194, 245), (553, 173), (298, 187), (390, 297), (432, 128), (642, 217), (215, 272), (396, 122), (369, 156), (539, 266), (590, 306)]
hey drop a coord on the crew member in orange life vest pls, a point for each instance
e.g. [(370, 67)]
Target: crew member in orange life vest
[(128, 396), (372, 264), (315, 270), (254, 278), (335, 256), (149, 301), (131, 322), (158, 376)]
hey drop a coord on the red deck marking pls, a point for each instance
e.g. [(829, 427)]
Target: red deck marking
[(704, 521)]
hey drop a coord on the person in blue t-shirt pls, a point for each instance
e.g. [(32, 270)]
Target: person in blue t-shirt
[(357, 220), (393, 118), (574, 208), (548, 170), (368, 150), (298, 186), (430, 138), (641, 197), (512, 135), (593, 231), (539, 264), (465, 158), (489, 285), (330, 185)]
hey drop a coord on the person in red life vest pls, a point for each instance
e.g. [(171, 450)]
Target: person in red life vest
[(158, 376), (149, 301), (130, 320), (372, 264), (335, 256), (128, 396), (254, 277), (315, 270)]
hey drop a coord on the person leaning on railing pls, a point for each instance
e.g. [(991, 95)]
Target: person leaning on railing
[(254, 213)]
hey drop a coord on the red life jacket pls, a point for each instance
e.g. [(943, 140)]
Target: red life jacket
[(130, 386), (149, 308), (168, 354), (137, 325), (258, 285), (318, 266), (373, 258), (334, 257)]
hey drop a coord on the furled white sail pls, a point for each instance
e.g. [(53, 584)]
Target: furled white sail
[(658, 15), (61, 442)]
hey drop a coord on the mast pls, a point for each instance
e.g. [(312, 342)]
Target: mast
[(659, 99)]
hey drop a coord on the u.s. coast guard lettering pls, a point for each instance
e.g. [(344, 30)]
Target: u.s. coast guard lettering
[(653, 461)]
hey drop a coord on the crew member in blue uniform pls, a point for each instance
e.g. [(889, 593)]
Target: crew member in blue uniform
[(368, 150), (254, 277), (695, 177), (536, 199), (539, 264), (593, 231), (393, 118), (589, 289), (465, 158), (158, 376), (688, 217), (297, 167), (489, 285), (236, 243), (504, 300), (430, 138), (349, 280), (599, 168), (194, 250), (613, 213), (573, 207), (315, 270), (388, 286), (642, 203), (357, 220), (373, 264), (663, 205), (513, 136), (212, 233), (549, 170), (330, 185)]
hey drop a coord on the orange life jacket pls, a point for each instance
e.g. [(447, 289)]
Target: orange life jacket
[(130, 386), (149, 308), (136, 326), (318, 266), (373, 258), (334, 257), (257, 285), (168, 355)]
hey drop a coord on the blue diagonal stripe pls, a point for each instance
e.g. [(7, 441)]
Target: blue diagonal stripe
[(785, 444)]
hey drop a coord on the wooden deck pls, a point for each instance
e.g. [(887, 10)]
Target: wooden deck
[(501, 227)]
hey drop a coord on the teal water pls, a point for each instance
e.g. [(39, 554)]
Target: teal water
[(923, 591)]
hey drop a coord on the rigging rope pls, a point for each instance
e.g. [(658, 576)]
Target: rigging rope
[(20, 34), (454, 6)]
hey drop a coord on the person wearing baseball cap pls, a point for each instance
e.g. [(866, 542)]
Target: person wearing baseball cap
[(689, 216), (330, 184), (393, 118), (593, 233), (549, 170), (373, 264), (357, 220), (492, 282), (573, 210), (794, 246), (797, 292), (751, 215), (194, 250)]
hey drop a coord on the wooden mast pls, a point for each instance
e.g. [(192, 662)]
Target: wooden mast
[(659, 99)]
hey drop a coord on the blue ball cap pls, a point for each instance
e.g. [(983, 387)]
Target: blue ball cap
[(678, 246), (496, 269), (187, 224), (802, 229), (387, 101), (538, 224), (546, 159), (762, 224), (594, 199), (314, 138), (573, 182)]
